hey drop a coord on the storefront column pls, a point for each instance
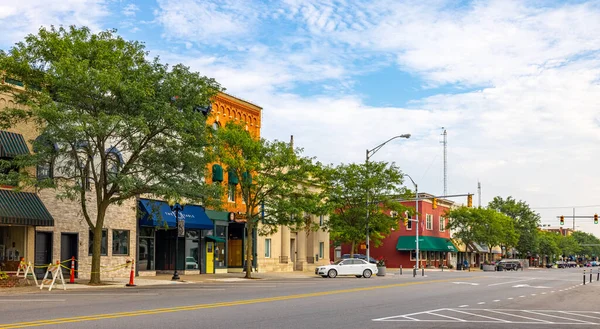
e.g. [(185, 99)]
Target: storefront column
[(285, 243), (301, 261)]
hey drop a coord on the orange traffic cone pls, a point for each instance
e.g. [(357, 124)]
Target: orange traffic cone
[(131, 275), (72, 279)]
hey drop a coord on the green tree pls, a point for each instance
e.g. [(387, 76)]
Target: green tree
[(462, 221), (114, 123), (568, 245), (548, 245), (278, 185), (589, 243), (508, 236), (526, 222), (347, 191)]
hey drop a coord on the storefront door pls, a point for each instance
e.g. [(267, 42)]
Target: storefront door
[(68, 249), (43, 251), (210, 257)]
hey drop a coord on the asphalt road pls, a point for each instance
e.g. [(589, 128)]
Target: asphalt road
[(534, 298)]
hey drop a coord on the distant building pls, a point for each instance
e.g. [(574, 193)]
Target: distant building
[(399, 248), (559, 230)]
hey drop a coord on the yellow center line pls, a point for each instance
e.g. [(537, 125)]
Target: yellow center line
[(97, 317)]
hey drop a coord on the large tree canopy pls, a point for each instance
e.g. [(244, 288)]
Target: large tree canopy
[(278, 185), (347, 195), (526, 222), (113, 123)]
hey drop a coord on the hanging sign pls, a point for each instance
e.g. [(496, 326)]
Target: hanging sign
[(181, 228)]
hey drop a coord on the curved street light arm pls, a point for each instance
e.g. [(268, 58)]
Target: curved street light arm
[(378, 147)]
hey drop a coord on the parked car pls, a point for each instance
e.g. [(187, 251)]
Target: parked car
[(508, 265), (360, 256), (347, 266), (190, 263)]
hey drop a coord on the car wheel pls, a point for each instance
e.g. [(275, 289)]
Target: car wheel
[(332, 273), (367, 274)]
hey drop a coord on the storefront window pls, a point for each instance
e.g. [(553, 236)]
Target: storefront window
[(12, 243), (192, 245), (220, 246), (103, 245), (146, 249), (120, 242)]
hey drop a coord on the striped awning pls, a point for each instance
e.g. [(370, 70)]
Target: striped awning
[(12, 144), (23, 208)]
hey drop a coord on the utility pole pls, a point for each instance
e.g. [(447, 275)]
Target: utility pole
[(445, 142), (479, 193)]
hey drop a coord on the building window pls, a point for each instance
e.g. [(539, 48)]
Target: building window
[(409, 224), (231, 193), (103, 245), (267, 248), (442, 224), (321, 249), (429, 221), (120, 242), (321, 221)]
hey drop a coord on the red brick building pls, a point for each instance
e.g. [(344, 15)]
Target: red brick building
[(435, 245)]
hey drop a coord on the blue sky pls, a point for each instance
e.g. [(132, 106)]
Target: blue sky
[(515, 83)]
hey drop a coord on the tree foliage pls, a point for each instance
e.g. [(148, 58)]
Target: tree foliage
[(114, 123), (526, 222), (278, 185), (347, 192)]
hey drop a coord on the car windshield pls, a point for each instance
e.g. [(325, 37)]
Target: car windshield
[(337, 262)]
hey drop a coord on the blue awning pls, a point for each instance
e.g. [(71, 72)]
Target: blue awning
[(156, 213)]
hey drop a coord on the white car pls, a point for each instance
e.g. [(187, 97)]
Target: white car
[(348, 266)]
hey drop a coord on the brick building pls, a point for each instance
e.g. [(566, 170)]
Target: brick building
[(399, 248)]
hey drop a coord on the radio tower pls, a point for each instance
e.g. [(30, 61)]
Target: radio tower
[(445, 142)]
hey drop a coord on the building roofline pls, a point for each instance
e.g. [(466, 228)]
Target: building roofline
[(240, 100)]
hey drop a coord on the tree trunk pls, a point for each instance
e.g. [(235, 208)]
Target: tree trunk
[(250, 229), (352, 249), (97, 247)]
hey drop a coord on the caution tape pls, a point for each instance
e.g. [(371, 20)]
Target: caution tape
[(118, 267)]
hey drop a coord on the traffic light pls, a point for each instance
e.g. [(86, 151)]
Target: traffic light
[(562, 220), (470, 200), (595, 218), (434, 204)]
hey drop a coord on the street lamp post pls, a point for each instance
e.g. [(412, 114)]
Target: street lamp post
[(369, 154), (176, 207), (417, 220)]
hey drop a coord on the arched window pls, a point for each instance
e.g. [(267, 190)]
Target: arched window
[(114, 162)]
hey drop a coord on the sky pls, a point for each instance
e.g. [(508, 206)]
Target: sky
[(516, 84)]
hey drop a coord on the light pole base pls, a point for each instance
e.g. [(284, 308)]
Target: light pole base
[(175, 276)]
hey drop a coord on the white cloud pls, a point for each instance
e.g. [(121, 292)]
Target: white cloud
[(27, 16), (130, 10)]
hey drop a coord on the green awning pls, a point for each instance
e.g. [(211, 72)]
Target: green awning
[(215, 238), (22, 208), (232, 177), (217, 173), (217, 215), (12, 144), (426, 243)]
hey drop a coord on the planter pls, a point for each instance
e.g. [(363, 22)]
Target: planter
[(10, 282), (380, 270), (489, 268)]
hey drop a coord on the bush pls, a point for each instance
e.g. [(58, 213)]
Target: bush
[(381, 262)]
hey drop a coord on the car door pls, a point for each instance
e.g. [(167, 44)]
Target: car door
[(343, 267)]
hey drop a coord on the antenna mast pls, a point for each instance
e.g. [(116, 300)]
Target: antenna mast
[(445, 142)]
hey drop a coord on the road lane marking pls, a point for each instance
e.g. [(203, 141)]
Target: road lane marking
[(483, 316), (560, 317), (97, 317), (585, 316), (510, 298), (508, 282), (108, 294), (522, 296), (464, 306), (480, 303), (448, 317), (518, 316), (470, 283), (496, 300)]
